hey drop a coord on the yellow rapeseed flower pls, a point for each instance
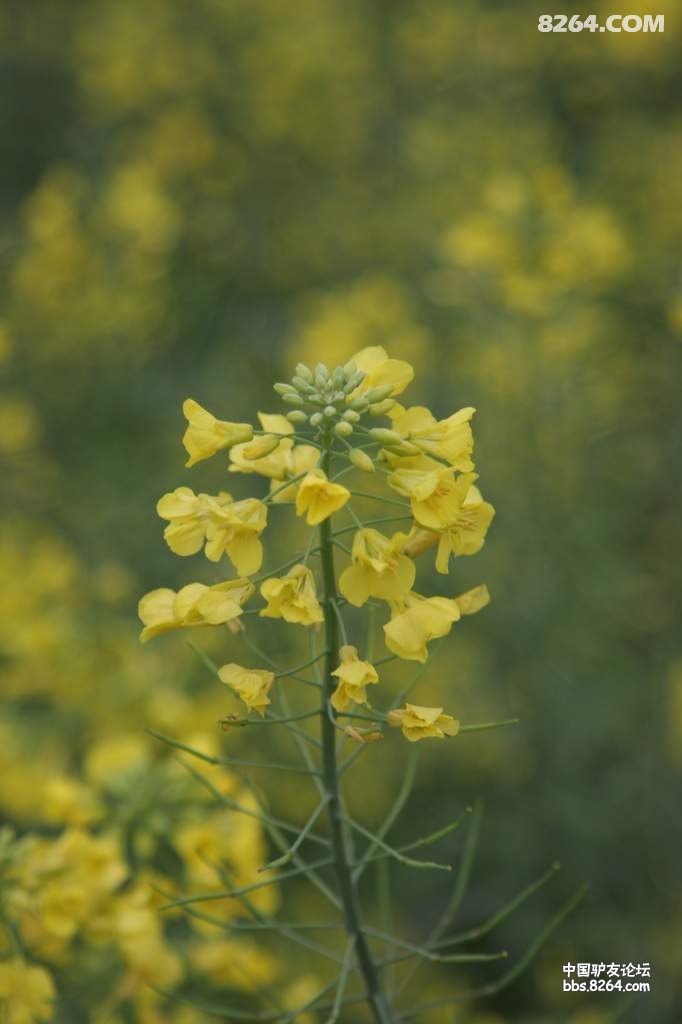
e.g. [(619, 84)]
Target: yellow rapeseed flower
[(465, 534), (292, 597), (317, 497), (420, 723), (297, 460), (206, 435), (26, 992), (450, 439), (225, 526), (431, 488), (354, 676), (379, 568), (251, 684), (473, 600), (274, 461), (196, 604), (380, 370), (415, 621)]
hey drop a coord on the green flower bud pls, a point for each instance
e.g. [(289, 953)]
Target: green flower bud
[(321, 375), (284, 389), (351, 416), (304, 372), (343, 429), (338, 377), (384, 436), (359, 404), (330, 412), (354, 381), (316, 419), (302, 385), (378, 394), (381, 408), (361, 460), (292, 398), (297, 416), (350, 368)]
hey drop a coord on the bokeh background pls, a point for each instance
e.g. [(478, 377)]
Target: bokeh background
[(196, 196)]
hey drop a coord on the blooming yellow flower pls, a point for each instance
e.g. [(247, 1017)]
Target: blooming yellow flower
[(415, 621), (431, 488), (234, 528), (206, 435), (226, 526), (26, 992), (450, 439), (251, 684), (419, 723), (318, 497), (299, 459), (292, 597), (235, 964), (374, 361), (273, 463), (354, 677), (379, 568), (196, 604), (465, 534)]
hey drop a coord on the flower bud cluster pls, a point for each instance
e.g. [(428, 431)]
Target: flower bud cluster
[(325, 398)]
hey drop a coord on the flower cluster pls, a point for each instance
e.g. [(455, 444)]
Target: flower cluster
[(428, 466)]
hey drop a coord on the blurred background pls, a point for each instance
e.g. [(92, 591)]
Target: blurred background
[(196, 196)]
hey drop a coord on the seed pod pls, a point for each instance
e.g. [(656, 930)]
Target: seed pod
[(381, 408), (385, 436), (297, 416), (343, 429), (361, 460), (261, 446)]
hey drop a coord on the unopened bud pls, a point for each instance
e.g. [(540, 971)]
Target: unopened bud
[(343, 429), (304, 372), (361, 460), (316, 419), (260, 446), (302, 385), (351, 416), (381, 408), (354, 381), (330, 411), (359, 404), (420, 541), (385, 436), (338, 377), (284, 389), (350, 368), (297, 416), (378, 394), (321, 375), (292, 398)]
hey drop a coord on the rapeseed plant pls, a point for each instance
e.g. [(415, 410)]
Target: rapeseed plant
[(330, 432)]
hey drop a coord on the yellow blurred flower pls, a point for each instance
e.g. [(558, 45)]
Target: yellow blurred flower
[(251, 684), (354, 677), (292, 597), (317, 497), (68, 801), (419, 723), (26, 992), (196, 604), (205, 435), (379, 568), (235, 964), (415, 621)]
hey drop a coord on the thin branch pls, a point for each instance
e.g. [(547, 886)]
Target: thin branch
[(208, 897), (392, 852)]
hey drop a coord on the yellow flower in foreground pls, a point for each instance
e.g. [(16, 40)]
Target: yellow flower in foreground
[(298, 460), (206, 435), (271, 460), (465, 535), (473, 600), (251, 684), (417, 620), (234, 529), (354, 676), (450, 439), (380, 369), (431, 488), (318, 497), (26, 992), (194, 605), (420, 723), (292, 597), (226, 526), (379, 568)]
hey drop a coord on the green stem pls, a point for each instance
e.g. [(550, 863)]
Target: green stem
[(330, 774)]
